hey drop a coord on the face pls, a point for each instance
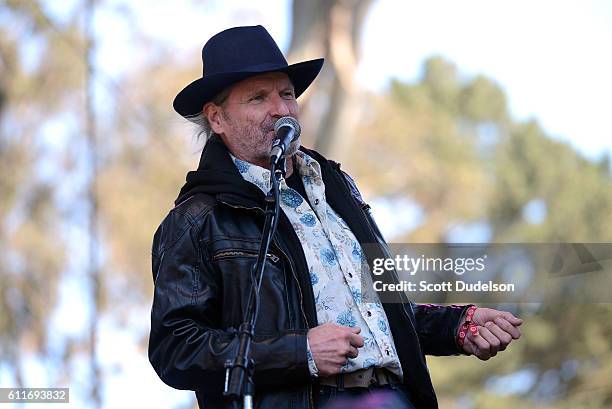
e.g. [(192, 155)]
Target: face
[(245, 121)]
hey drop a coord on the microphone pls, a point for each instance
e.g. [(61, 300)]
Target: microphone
[(287, 130)]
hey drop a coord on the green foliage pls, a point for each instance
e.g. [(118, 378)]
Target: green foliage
[(451, 145), (482, 101)]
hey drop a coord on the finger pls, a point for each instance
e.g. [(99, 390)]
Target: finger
[(512, 319), (482, 347), (355, 330), (468, 346), (352, 353), (502, 335), (355, 340), (343, 360), (509, 328), (471, 348), (481, 354), (339, 360), (494, 343)]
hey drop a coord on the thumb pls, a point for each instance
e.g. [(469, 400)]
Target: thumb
[(355, 330)]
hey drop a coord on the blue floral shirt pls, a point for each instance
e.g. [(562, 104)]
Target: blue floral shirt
[(336, 263)]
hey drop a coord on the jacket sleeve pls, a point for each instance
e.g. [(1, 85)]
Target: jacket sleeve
[(437, 327), (187, 347)]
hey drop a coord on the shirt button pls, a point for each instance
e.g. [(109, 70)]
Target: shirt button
[(388, 352), (350, 275), (369, 313), (316, 201)]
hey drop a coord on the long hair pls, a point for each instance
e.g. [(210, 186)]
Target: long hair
[(203, 129)]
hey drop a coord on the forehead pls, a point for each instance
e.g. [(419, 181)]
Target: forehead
[(267, 80)]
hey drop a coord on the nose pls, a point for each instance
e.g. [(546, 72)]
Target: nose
[(280, 107)]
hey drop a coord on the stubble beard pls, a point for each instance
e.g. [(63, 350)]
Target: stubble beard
[(255, 144)]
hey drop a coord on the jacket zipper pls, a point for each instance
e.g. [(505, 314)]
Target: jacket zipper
[(258, 209), (240, 253)]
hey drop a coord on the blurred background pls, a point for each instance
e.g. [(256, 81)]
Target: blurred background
[(472, 121)]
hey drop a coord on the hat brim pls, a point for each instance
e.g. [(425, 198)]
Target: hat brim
[(189, 102)]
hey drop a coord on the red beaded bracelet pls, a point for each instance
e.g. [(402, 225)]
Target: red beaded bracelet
[(467, 326)]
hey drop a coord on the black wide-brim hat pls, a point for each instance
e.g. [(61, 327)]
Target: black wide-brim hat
[(236, 54)]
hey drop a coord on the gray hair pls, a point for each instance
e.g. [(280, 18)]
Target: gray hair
[(203, 129)]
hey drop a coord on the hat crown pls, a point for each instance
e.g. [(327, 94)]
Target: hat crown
[(241, 49)]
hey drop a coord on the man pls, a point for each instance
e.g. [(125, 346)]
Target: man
[(317, 335)]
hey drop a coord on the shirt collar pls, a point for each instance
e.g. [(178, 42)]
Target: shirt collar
[(303, 164)]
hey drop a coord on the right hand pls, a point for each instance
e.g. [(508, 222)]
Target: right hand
[(331, 345)]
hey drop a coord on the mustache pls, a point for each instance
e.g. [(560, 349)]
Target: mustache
[(268, 128), (269, 125)]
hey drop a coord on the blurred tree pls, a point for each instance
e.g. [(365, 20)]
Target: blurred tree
[(576, 197), (428, 154), (451, 146), (331, 29), (30, 95), (141, 178)]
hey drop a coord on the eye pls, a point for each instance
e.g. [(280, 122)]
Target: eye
[(256, 98), (289, 94)]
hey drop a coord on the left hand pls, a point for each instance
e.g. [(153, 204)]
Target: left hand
[(496, 329)]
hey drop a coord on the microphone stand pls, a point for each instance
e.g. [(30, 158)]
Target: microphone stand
[(239, 371)]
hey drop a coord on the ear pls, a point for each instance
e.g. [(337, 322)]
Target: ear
[(213, 113)]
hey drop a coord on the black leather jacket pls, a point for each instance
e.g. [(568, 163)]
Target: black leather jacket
[(202, 254)]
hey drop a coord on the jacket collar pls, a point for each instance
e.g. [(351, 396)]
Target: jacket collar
[(217, 175)]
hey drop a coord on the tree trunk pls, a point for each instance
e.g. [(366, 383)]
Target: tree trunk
[(330, 110), (94, 264)]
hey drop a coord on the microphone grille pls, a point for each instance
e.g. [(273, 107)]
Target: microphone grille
[(288, 121)]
